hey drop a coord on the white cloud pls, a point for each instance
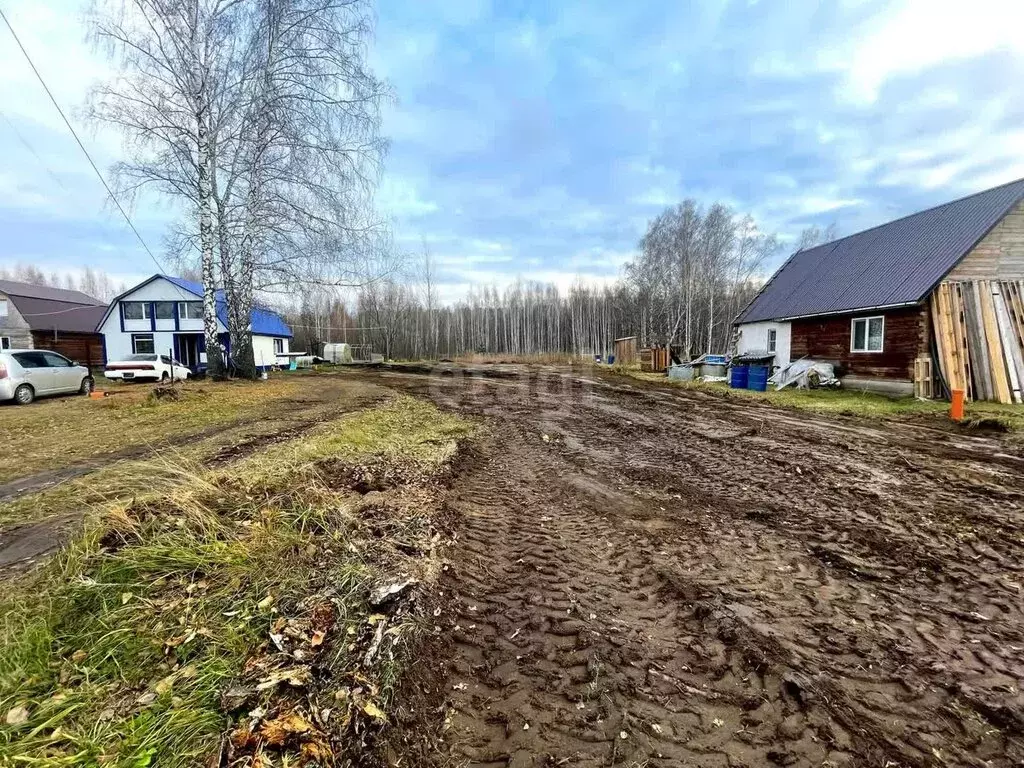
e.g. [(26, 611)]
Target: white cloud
[(920, 34), (399, 197)]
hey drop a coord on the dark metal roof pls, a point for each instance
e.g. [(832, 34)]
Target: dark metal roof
[(65, 316), (890, 265), (12, 288)]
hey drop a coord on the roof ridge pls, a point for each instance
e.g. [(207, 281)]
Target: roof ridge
[(892, 263), (917, 213)]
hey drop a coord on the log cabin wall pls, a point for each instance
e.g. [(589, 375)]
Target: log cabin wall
[(905, 336), (84, 348)]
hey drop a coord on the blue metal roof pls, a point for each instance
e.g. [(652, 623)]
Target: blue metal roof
[(265, 322), (892, 264)]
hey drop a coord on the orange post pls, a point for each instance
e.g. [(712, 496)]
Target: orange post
[(956, 407)]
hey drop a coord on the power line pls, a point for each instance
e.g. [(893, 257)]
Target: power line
[(25, 142), (81, 146)]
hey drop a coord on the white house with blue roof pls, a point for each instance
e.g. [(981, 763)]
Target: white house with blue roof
[(164, 315)]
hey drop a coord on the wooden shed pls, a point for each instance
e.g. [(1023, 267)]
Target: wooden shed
[(626, 350)]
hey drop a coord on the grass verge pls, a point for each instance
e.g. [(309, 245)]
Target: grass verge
[(55, 432), (228, 615), (848, 402)]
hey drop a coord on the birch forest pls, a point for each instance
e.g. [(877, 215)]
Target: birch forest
[(694, 270)]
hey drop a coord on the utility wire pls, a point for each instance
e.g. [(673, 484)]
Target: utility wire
[(25, 142), (79, 141)]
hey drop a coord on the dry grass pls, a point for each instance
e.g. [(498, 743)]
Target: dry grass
[(848, 402), (201, 604), (544, 358), (58, 432), (55, 432)]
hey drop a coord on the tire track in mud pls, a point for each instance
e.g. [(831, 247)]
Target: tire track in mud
[(763, 591), (574, 648)]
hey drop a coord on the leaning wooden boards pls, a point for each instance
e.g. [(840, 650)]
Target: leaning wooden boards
[(979, 336)]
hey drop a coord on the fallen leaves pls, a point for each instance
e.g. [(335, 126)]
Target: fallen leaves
[(17, 716), (278, 730), (374, 712), (294, 676)]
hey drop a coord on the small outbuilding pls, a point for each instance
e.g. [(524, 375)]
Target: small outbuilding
[(40, 317), (877, 304)]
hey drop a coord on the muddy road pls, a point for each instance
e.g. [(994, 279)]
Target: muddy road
[(655, 577)]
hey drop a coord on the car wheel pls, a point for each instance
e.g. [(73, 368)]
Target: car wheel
[(24, 395), (164, 377), (88, 385)]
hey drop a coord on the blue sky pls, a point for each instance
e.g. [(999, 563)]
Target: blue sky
[(535, 139)]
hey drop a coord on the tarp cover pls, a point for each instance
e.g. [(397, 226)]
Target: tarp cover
[(804, 374)]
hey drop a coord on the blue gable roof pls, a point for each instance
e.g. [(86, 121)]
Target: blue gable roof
[(265, 322)]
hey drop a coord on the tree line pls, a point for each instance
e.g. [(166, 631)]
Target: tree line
[(261, 117), (92, 282), (695, 269)]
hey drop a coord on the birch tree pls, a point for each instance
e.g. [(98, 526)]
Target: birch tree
[(309, 151), (173, 59)]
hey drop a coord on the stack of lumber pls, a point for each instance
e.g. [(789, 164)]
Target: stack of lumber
[(979, 335)]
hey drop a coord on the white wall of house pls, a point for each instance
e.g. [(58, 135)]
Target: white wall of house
[(263, 351), (120, 344), (753, 337)]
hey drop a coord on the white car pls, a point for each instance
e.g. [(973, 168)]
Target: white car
[(146, 368), (26, 374)]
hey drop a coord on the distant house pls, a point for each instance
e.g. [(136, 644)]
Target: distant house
[(164, 315), (39, 317), (865, 302)]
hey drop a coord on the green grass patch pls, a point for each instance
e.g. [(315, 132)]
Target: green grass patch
[(403, 430), (201, 604)]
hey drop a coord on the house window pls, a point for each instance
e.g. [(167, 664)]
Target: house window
[(867, 334), (136, 310), (3, 307), (165, 310), (142, 344), (772, 336), (5, 342), (278, 346), (190, 310)]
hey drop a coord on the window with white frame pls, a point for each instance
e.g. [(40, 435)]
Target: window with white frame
[(278, 346), (772, 339), (142, 343), (867, 334), (136, 310), (3, 307), (164, 310), (190, 310), (5, 342)]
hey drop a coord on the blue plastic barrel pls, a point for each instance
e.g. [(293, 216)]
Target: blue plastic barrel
[(757, 378), (611, 359), (738, 376)]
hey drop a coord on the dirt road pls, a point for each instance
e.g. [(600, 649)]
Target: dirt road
[(664, 578)]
